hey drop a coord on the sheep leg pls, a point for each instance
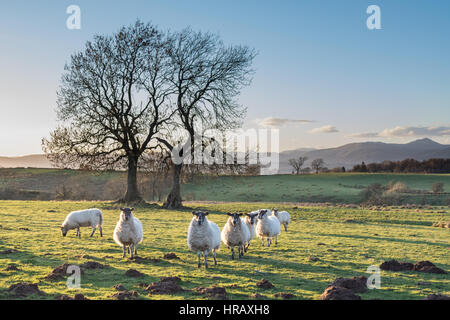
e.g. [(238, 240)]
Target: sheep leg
[(93, 231), (269, 242), (276, 240), (214, 255), (101, 231), (285, 227), (78, 232), (135, 249), (199, 255), (124, 251), (232, 253), (241, 254), (205, 254), (262, 239), (131, 250)]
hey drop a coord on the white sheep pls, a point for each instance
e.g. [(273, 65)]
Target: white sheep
[(83, 218), (203, 236), (128, 232), (235, 233), (283, 217), (250, 221), (268, 227)]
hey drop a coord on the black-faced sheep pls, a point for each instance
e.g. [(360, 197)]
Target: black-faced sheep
[(203, 236), (235, 233), (250, 221), (268, 227), (128, 232)]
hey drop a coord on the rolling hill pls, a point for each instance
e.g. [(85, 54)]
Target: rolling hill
[(353, 153)]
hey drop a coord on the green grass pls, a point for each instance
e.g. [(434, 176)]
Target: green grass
[(329, 187), (374, 236)]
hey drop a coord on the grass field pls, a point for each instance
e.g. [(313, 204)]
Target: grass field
[(42, 184), (372, 237)]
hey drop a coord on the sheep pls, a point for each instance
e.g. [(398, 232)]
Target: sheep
[(250, 221), (268, 227), (235, 233), (83, 218), (203, 236), (283, 217), (128, 232)]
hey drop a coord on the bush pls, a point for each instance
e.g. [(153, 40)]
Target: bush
[(437, 187)]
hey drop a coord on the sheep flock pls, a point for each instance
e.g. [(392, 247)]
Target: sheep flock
[(203, 235)]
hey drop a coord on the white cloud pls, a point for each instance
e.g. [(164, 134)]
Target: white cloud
[(278, 122), (409, 131), (324, 129)]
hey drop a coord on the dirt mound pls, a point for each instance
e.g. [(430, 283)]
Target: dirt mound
[(256, 296), (338, 293), (77, 296), (138, 259), (59, 272), (134, 273), (394, 265), (123, 295), (437, 297), (212, 292), (442, 224), (93, 265), (313, 259), (119, 287), (171, 256), (11, 267), (355, 284), (167, 285), (427, 266), (284, 295), (24, 229), (8, 251), (264, 284), (24, 289)]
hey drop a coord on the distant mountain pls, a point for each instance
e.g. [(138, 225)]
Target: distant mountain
[(350, 154), (30, 161)]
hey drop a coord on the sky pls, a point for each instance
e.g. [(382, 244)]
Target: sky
[(322, 77)]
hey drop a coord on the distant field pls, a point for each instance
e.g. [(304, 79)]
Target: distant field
[(329, 187), (351, 240), (42, 184)]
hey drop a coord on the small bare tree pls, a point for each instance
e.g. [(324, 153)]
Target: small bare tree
[(317, 165), (297, 164)]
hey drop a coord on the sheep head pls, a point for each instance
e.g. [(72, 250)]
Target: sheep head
[(126, 213), (200, 216), (262, 213), (234, 218), (252, 217)]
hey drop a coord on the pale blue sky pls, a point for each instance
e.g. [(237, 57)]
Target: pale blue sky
[(317, 61)]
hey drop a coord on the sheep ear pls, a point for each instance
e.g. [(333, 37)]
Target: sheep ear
[(239, 214), (247, 214), (230, 214), (121, 209), (194, 213), (206, 213), (132, 209)]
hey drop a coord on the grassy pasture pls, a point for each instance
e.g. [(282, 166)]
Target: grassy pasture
[(372, 237)]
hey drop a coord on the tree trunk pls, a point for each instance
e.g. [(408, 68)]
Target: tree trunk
[(132, 194), (174, 200)]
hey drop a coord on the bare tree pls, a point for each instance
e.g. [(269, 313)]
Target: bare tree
[(298, 163), (317, 165), (207, 77), (112, 101)]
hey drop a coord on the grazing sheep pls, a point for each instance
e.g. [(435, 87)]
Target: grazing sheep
[(235, 233), (203, 236), (128, 232), (250, 221), (268, 227), (283, 217), (83, 218)]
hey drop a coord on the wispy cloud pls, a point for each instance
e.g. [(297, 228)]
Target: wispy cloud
[(279, 122), (324, 129), (409, 131)]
